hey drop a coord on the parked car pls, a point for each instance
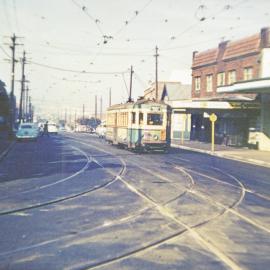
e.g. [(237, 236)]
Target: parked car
[(52, 128), (27, 131)]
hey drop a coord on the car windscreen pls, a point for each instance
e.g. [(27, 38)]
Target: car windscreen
[(26, 126)]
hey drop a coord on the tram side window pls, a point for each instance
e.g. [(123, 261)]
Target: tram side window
[(140, 118), (133, 117), (154, 119)]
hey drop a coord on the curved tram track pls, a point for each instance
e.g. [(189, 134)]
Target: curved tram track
[(162, 208)]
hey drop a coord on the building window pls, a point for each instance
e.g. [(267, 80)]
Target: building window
[(248, 73), (221, 79), (209, 83), (231, 76), (197, 84)]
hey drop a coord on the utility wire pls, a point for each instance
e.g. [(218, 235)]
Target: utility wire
[(5, 52), (76, 71), (136, 13), (84, 9)]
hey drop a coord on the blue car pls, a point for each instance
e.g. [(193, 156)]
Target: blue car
[(27, 131)]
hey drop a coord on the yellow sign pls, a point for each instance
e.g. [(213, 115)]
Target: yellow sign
[(213, 117)]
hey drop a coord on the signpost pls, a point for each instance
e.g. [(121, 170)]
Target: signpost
[(213, 119), (183, 127)]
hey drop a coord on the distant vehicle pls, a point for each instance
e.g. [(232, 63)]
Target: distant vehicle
[(52, 128), (27, 131), (143, 125), (101, 131)]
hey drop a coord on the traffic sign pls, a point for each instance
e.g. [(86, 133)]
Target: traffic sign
[(213, 117)]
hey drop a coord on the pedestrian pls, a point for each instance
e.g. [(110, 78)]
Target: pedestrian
[(45, 130)]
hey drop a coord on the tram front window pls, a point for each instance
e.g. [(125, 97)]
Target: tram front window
[(154, 119)]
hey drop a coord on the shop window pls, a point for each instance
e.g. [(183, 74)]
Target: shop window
[(209, 83), (231, 76), (221, 79), (248, 73)]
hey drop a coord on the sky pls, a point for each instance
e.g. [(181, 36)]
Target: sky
[(77, 49)]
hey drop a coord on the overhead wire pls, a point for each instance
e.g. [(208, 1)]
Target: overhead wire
[(75, 71), (96, 21), (16, 15), (202, 19), (136, 13), (5, 52), (5, 10)]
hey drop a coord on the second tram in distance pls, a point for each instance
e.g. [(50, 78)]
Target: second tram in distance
[(142, 125)]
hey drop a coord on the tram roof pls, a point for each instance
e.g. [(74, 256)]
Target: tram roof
[(128, 105)]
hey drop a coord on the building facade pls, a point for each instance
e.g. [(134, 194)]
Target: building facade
[(232, 62)]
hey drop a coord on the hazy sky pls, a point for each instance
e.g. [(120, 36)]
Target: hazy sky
[(60, 35)]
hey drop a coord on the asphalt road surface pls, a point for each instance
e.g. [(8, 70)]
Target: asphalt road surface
[(72, 201)]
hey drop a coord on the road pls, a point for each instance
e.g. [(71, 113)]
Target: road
[(72, 201)]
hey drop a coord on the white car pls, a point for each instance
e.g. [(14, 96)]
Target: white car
[(52, 128), (100, 131), (27, 131)]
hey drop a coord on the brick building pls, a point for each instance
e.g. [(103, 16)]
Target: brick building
[(215, 69)]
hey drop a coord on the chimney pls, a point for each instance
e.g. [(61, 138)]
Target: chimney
[(265, 37), (194, 54), (221, 49)]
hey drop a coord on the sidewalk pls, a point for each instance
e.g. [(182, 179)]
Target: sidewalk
[(5, 144), (261, 158)]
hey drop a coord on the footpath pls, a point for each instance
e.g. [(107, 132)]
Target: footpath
[(243, 154), (5, 144)]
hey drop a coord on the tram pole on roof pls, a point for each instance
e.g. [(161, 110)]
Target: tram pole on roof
[(156, 56), (130, 86), (110, 97)]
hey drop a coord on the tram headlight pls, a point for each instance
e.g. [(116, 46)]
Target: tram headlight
[(155, 137)]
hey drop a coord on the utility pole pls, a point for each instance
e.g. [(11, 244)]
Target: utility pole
[(83, 113), (22, 88), (75, 120), (26, 103), (95, 107), (30, 110), (130, 86), (100, 108), (65, 116), (11, 102), (156, 56), (110, 97)]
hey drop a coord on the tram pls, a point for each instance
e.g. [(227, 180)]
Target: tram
[(142, 125)]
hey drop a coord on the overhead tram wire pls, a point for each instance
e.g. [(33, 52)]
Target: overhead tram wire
[(202, 19), (16, 15), (77, 71), (5, 52), (136, 14), (85, 11)]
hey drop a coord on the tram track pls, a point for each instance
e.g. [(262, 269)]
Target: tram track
[(84, 168), (256, 193), (207, 198), (73, 196), (167, 212)]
